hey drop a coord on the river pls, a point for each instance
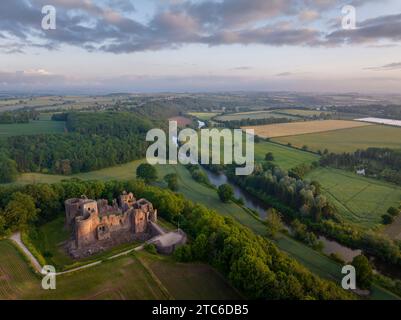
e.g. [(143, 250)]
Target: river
[(260, 207)]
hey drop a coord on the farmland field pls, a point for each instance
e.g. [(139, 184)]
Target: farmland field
[(189, 281), (298, 128), (16, 278), (360, 200), (254, 115), (284, 157), (127, 277), (348, 140), (303, 112), (33, 127)]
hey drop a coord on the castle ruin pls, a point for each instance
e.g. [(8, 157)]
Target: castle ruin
[(97, 226)]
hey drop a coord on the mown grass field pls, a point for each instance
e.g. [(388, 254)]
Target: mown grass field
[(254, 115), (305, 127), (127, 277), (34, 127), (360, 200), (348, 140)]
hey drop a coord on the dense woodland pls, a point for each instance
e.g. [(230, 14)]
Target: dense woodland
[(93, 141), (252, 264), (18, 117), (377, 162)]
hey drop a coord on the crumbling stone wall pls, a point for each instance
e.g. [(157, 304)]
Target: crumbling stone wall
[(96, 225)]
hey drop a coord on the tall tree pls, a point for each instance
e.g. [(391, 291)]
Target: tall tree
[(8, 169), (364, 272), (20, 211), (225, 192), (146, 172), (273, 222)]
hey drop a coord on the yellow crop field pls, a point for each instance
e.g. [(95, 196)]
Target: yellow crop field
[(296, 128)]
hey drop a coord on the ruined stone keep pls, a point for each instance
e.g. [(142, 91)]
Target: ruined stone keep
[(96, 225)]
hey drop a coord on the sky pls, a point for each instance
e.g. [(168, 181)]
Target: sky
[(200, 45)]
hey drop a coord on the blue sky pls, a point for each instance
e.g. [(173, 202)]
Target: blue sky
[(182, 45)]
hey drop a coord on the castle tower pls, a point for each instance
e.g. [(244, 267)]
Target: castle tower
[(86, 224), (126, 200)]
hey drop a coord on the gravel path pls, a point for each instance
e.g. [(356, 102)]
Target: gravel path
[(16, 237)]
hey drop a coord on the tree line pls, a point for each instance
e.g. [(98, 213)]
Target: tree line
[(8, 117), (381, 163)]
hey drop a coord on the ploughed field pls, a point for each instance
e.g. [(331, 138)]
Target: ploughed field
[(305, 127), (347, 140), (359, 200)]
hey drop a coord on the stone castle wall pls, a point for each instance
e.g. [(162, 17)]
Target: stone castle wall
[(96, 225)]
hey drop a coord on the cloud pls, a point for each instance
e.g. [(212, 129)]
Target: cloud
[(111, 26), (386, 27), (284, 74), (309, 15), (242, 68), (386, 67)]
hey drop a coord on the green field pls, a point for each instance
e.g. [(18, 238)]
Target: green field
[(285, 157), (128, 277), (360, 200), (123, 172), (34, 127), (16, 278), (348, 140), (254, 115), (189, 281), (303, 112)]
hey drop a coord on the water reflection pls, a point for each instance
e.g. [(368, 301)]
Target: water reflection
[(250, 201)]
